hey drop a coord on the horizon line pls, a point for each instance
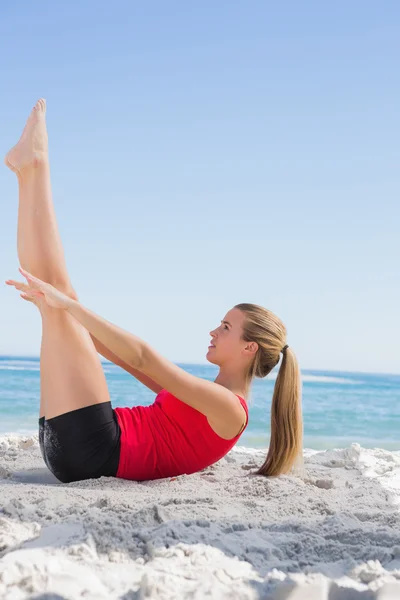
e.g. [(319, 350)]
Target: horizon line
[(206, 364)]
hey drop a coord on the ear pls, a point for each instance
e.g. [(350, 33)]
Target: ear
[(251, 347)]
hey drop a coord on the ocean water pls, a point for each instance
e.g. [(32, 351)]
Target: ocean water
[(338, 407)]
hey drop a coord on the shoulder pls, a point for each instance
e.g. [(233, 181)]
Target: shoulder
[(231, 428), (216, 402)]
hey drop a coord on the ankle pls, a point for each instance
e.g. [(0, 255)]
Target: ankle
[(27, 172)]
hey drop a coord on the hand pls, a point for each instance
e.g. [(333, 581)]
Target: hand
[(27, 293), (39, 289)]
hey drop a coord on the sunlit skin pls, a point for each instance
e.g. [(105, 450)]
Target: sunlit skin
[(41, 255), (231, 353)]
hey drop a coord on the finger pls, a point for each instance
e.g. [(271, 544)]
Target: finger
[(35, 293), (32, 295), (29, 275), (12, 282), (19, 285), (23, 287), (25, 297), (34, 281)]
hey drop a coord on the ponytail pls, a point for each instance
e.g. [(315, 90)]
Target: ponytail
[(285, 453), (286, 443)]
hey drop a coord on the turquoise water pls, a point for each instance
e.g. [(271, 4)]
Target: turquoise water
[(338, 407)]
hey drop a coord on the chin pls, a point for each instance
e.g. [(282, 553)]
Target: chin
[(212, 360)]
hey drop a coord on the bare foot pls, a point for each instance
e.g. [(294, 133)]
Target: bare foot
[(31, 149)]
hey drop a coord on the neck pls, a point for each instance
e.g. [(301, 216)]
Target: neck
[(233, 379)]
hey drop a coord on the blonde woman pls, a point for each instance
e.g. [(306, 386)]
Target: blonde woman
[(193, 422)]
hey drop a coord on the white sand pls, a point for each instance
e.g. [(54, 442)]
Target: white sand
[(219, 533)]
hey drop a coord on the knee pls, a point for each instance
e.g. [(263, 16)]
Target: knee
[(47, 311)]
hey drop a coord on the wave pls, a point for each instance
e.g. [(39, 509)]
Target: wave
[(320, 379), (272, 377), (13, 368), (327, 379), (35, 366)]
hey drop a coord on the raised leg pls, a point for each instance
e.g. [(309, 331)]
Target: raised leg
[(40, 249), (70, 369)]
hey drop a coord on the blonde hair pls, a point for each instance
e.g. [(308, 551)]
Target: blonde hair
[(286, 442)]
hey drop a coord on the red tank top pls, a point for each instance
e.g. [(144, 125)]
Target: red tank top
[(168, 438)]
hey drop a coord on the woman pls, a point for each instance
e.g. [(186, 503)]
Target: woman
[(193, 422)]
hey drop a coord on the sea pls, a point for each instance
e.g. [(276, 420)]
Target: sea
[(339, 408)]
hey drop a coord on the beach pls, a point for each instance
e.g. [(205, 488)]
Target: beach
[(218, 184), (220, 533)]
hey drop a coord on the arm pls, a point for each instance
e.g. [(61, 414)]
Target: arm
[(104, 351), (124, 346), (213, 400), (217, 403)]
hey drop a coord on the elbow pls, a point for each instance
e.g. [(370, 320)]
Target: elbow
[(141, 358)]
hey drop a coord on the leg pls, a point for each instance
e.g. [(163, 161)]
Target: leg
[(71, 373), (40, 249)]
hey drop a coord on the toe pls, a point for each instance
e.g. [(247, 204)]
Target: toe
[(41, 104)]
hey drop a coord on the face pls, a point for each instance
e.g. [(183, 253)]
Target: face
[(228, 345)]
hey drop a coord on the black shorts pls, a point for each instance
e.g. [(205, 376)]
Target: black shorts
[(81, 444)]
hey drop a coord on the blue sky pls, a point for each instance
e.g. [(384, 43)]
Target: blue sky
[(206, 154)]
